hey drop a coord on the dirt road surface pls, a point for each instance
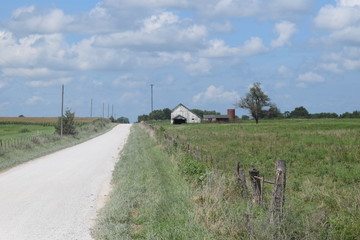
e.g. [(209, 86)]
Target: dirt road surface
[(57, 196)]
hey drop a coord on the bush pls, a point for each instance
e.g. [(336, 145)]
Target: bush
[(24, 130), (69, 126)]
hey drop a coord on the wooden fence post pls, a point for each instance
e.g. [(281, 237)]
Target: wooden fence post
[(256, 184), (242, 180), (279, 191)]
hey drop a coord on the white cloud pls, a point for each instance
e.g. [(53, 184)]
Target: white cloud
[(31, 72), (283, 70), (285, 30), (49, 83), (34, 100), (216, 94), (32, 20), (337, 18), (214, 8), (128, 81), (156, 22), (330, 67), (201, 66), (23, 11), (218, 48), (348, 3), (310, 77), (345, 60), (161, 32)]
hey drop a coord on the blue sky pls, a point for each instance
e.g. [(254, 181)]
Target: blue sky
[(204, 54)]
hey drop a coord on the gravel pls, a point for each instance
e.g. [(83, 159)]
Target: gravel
[(57, 196)]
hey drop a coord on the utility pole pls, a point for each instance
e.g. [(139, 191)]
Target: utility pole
[(112, 110), (108, 110), (152, 100), (91, 107), (62, 111), (103, 110)]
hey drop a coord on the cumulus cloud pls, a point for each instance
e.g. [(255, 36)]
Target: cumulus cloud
[(31, 20), (342, 20), (311, 77), (337, 17), (345, 60), (218, 48), (34, 100), (285, 30), (159, 32), (216, 94), (308, 78), (348, 3)]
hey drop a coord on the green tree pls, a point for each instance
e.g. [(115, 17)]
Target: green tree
[(299, 112), (69, 125), (254, 101), (123, 120), (273, 112)]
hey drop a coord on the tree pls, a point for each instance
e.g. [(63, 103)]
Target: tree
[(123, 120), (273, 112), (299, 112), (69, 125), (254, 101)]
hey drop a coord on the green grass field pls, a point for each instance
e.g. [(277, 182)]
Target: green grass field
[(13, 131), (323, 174)]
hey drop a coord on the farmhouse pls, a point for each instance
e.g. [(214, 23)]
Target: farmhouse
[(181, 114)]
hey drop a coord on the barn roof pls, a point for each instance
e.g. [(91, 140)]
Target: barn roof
[(182, 105)]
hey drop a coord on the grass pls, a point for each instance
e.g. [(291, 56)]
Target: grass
[(15, 131), (150, 199), (323, 180), (20, 143)]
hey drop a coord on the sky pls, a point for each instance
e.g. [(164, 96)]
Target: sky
[(204, 54)]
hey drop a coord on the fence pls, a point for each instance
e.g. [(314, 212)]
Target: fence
[(257, 182), (22, 142)]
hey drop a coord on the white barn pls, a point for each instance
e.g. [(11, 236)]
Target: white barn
[(181, 114)]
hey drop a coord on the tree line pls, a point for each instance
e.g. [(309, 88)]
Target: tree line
[(259, 106)]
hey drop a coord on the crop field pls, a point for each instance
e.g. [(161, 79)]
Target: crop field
[(17, 131), (323, 169), (39, 120)]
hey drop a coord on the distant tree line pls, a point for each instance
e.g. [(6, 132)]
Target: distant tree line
[(164, 114), (119, 120)]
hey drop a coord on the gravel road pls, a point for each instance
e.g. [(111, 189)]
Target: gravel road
[(57, 196)]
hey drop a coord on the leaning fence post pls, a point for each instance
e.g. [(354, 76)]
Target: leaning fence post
[(279, 191), (256, 184), (242, 180)]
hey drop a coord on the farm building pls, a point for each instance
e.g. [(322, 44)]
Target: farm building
[(181, 114), (221, 118), (216, 118)]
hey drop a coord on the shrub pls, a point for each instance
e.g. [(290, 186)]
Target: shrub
[(24, 130), (69, 126)]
